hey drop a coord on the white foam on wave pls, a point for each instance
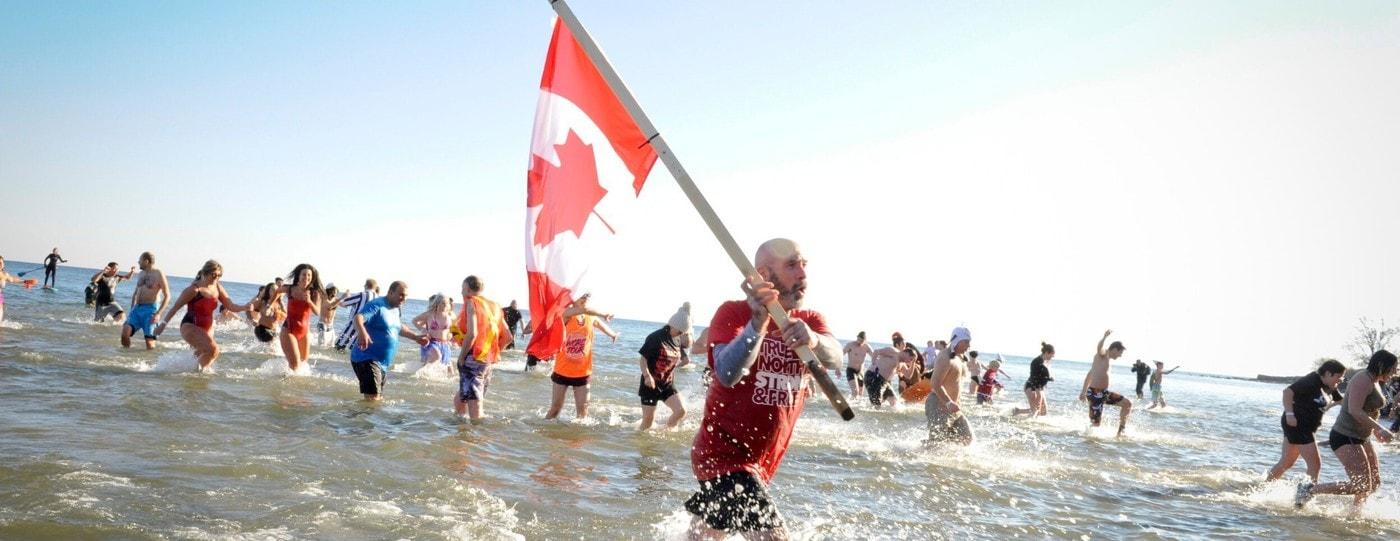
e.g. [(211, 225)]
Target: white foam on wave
[(278, 367), (94, 479), (1277, 497), (429, 371), (7, 324), (172, 362), (30, 356)]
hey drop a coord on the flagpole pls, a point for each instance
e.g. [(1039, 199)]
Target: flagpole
[(697, 199)]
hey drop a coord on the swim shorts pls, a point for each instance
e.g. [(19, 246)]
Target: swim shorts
[(852, 373), (444, 351), (1099, 397), (473, 377), (140, 320), (110, 309), (568, 381), (877, 387), (736, 502), (1297, 435), (371, 376), (1337, 440), (652, 396), (943, 426)]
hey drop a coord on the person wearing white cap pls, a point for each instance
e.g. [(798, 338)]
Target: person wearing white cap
[(1095, 389), (946, 422), (662, 352)]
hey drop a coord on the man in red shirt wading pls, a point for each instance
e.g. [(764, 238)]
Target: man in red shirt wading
[(758, 396)]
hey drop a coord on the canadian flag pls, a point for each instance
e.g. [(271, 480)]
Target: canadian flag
[(588, 161)]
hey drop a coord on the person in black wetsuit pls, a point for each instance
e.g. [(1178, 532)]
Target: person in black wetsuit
[(51, 268), (512, 317), (1143, 371), (1036, 382)]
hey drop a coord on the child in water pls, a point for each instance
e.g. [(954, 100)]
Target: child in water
[(435, 323), (989, 385), (1156, 386)]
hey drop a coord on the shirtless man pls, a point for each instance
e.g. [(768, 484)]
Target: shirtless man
[(946, 422), (879, 382), (150, 285), (974, 371), (855, 359), (1095, 389)]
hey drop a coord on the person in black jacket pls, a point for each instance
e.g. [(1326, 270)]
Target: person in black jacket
[(1143, 371)]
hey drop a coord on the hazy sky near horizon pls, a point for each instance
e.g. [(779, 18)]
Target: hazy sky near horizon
[(1216, 182)]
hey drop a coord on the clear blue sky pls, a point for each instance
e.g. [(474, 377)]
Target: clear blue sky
[(268, 133)]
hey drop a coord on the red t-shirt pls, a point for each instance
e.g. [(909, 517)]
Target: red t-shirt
[(747, 427)]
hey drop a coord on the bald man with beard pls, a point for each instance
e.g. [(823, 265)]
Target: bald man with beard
[(758, 392)]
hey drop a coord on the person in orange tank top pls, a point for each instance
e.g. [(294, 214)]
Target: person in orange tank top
[(484, 335), (573, 365), (303, 300)]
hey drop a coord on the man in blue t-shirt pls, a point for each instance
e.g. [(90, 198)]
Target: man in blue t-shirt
[(378, 327)]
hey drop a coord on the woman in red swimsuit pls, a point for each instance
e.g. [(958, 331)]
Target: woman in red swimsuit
[(200, 299), (303, 299)]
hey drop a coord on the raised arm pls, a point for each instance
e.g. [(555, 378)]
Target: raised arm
[(1102, 340)]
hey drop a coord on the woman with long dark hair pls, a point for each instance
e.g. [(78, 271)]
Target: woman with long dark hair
[(303, 291), (1036, 382), (1351, 434)]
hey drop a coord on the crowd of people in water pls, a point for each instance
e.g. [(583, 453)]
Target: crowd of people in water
[(755, 384)]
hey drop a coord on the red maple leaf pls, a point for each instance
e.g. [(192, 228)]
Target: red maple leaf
[(568, 193)]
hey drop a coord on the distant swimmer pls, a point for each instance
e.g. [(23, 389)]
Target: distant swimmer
[(199, 300), (267, 312), (663, 351), (378, 326), (105, 296), (512, 315), (330, 303), (756, 398), (51, 262), (990, 384), (974, 372), (1303, 405), (573, 365), (1142, 370), (303, 301), (435, 323), (946, 422), (150, 285), (1036, 382), (1157, 399), (931, 353), (1095, 389), (856, 352), (353, 303), (5, 279), (1351, 434), (880, 376), (484, 335)]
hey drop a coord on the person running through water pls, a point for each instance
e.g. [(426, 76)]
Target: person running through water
[(663, 351), (990, 384), (378, 326), (946, 422), (7, 278), (105, 298), (880, 376), (435, 323), (150, 285), (1142, 371), (1157, 400), (756, 397), (1036, 382), (1095, 389), (573, 366), (856, 352), (51, 262), (267, 312), (974, 372), (1351, 434), (354, 303), (330, 302), (1303, 405), (484, 335), (200, 299), (303, 296)]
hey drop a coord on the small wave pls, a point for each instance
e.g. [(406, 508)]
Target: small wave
[(92, 478), (11, 325), (278, 367), (172, 362)]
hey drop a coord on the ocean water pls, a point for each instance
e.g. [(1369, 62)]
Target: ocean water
[(101, 442)]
